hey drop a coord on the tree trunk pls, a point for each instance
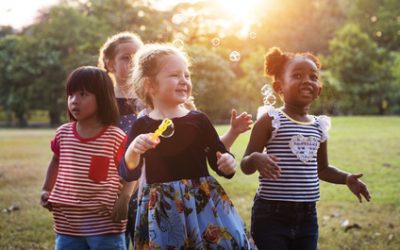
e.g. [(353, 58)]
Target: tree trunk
[(54, 116), (22, 122)]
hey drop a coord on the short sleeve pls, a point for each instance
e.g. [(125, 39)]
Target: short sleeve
[(55, 145), (325, 125), (274, 114), (120, 151), (212, 145)]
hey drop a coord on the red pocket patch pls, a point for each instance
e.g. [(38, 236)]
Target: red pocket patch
[(98, 170)]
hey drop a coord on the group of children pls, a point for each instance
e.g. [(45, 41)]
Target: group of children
[(168, 199)]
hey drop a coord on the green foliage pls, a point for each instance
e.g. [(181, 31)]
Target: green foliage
[(249, 86), (212, 83), (363, 70), (380, 20), (358, 41)]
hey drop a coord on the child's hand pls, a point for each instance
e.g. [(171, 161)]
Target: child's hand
[(143, 142), (357, 187), (241, 123), (120, 210), (44, 200), (226, 163), (267, 165)]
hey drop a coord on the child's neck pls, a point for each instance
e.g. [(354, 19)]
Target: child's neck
[(89, 128), (297, 113), (159, 113), (123, 90)]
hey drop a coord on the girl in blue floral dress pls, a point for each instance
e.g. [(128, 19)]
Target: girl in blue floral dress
[(181, 206)]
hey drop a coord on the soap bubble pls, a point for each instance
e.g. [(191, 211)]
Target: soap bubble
[(215, 42), (178, 43), (234, 56)]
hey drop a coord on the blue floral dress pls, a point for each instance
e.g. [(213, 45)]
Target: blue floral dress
[(181, 206)]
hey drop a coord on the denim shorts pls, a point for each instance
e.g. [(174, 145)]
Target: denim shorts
[(284, 225), (103, 242)]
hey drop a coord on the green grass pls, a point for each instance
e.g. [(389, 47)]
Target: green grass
[(370, 145)]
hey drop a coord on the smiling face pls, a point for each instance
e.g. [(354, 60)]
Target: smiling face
[(121, 64), (299, 84), (172, 84)]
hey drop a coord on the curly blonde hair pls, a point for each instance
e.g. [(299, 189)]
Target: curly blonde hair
[(147, 64)]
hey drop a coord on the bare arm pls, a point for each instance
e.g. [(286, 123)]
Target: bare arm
[(120, 210), (239, 124), (50, 180), (51, 176), (332, 174), (327, 172), (139, 146), (254, 158)]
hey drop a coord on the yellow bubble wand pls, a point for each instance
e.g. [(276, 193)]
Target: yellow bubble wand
[(161, 129)]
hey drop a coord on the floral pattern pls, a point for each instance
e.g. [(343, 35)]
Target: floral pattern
[(188, 214)]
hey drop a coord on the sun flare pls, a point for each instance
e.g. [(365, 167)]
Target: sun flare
[(240, 12), (238, 9)]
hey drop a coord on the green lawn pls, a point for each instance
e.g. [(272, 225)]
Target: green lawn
[(369, 145)]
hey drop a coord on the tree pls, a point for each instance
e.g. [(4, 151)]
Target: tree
[(212, 81), (362, 68), (64, 39), (380, 20)]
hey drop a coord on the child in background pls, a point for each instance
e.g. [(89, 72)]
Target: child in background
[(82, 179), (181, 206), (284, 214), (116, 58)]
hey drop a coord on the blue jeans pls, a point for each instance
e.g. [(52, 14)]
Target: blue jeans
[(284, 225), (103, 242)]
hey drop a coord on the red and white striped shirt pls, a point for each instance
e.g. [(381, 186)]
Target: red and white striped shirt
[(87, 182)]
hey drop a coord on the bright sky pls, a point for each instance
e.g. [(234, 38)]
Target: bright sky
[(19, 13)]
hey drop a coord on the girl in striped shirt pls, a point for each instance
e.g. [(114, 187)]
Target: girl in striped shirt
[(295, 157), (82, 179)]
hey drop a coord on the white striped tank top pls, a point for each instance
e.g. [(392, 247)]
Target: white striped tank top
[(296, 145)]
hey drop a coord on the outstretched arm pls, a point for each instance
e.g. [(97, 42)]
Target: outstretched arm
[(239, 124), (334, 175)]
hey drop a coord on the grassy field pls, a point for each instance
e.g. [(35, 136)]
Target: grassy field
[(369, 145)]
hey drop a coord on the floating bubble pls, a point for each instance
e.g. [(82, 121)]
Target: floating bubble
[(178, 43), (374, 19), (169, 131), (142, 27), (378, 33), (215, 42), (165, 129), (252, 35), (178, 18), (140, 13), (234, 56), (269, 97), (269, 100)]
